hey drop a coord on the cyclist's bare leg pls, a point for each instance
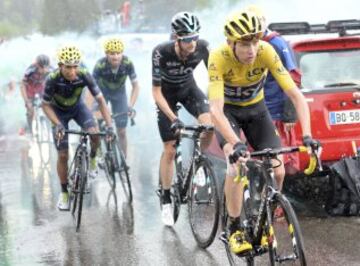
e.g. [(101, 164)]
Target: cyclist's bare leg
[(122, 139), (233, 191), (167, 164), (279, 171), (30, 116), (95, 141), (62, 165), (205, 118)]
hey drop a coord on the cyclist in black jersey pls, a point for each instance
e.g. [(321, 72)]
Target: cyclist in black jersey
[(173, 63), (110, 73), (62, 102)]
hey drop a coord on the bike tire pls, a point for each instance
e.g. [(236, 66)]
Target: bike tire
[(286, 237), (82, 183), (123, 171), (43, 140), (109, 167), (175, 201), (203, 204)]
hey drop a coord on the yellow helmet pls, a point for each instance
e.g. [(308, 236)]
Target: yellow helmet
[(114, 45), (69, 55), (243, 24)]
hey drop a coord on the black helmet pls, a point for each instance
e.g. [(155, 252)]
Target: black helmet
[(185, 23), (43, 60)]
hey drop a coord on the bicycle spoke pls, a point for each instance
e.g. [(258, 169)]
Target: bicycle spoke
[(287, 243), (203, 204)]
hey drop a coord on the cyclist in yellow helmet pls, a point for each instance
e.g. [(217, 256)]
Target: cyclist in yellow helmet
[(62, 102), (110, 73), (237, 72)]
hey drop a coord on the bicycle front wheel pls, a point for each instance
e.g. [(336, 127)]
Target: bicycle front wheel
[(43, 139), (108, 164), (123, 171), (203, 203), (285, 239), (81, 192)]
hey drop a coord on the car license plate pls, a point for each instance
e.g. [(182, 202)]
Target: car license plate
[(344, 117)]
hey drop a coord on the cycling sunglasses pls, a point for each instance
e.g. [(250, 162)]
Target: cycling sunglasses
[(189, 39), (251, 37)]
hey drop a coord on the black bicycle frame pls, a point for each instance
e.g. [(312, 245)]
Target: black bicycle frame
[(184, 176), (270, 190)]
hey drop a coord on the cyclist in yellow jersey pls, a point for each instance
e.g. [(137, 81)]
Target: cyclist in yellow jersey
[(237, 72)]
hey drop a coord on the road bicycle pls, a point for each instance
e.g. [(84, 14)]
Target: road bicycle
[(41, 130), (196, 186), (78, 174), (114, 161), (284, 239)]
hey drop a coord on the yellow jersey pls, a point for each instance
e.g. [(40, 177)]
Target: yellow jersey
[(242, 84)]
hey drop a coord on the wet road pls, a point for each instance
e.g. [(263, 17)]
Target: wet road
[(34, 232)]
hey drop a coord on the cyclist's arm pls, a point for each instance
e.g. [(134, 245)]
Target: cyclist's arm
[(287, 84), (221, 122), (302, 109), (104, 109), (162, 103), (134, 93), (23, 92), (216, 98), (49, 111)]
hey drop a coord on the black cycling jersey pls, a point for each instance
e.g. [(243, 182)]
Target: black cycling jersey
[(65, 94), (169, 69)]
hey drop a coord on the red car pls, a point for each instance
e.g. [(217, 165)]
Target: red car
[(330, 64)]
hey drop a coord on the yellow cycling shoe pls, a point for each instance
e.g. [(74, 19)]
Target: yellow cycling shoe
[(238, 243), (264, 241)]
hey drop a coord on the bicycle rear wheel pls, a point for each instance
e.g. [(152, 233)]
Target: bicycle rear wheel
[(285, 239), (123, 171), (203, 204)]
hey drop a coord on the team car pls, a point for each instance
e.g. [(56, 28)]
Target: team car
[(329, 61)]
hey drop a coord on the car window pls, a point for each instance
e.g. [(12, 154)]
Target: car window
[(324, 70)]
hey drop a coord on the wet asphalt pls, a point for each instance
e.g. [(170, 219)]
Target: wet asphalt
[(113, 232)]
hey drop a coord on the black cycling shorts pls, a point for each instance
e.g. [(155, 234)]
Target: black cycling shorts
[(255, 121), (195, 102)]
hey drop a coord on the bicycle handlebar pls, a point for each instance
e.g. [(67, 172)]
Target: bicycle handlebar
[(85, 133), (314, 162), (196, 130)]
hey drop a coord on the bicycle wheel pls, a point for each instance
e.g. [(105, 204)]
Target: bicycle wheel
[(203, 204), (43, 138), (123, 171), (108, 165), (232, 258), (285, 239), (81, 191)]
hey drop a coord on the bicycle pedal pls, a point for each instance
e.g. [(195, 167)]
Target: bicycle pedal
[(223, 237), (158, 192)]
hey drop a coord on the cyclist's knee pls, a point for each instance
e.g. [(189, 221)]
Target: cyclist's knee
[(63, 155), (169, 151), (122, 133), (279, 173)]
